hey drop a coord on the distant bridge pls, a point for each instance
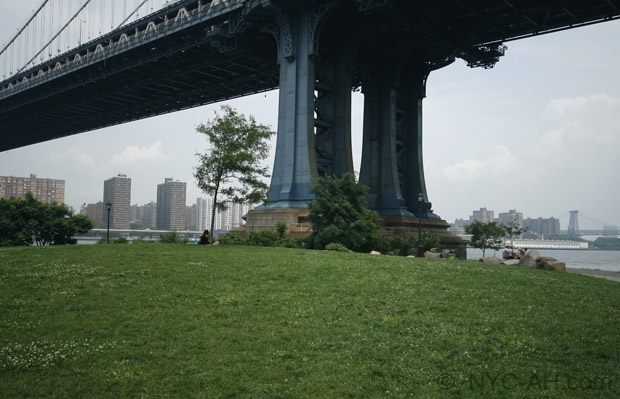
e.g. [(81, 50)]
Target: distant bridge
[(594, 232)]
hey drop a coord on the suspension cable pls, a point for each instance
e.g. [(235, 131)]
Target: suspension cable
[(56, 35), (24, 27), (131, 14)]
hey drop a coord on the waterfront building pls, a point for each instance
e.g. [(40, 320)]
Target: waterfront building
[(171, 205), (137, 212), (149, 215), (542, 227), (42, 189), (482, 216), (117, 191), (202, 214), (190, 216), (96, 211), (509, 217), (227, 219)]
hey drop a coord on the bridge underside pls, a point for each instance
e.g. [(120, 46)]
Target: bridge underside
[(198, 52)]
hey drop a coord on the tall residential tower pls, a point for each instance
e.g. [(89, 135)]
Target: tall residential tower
[(171, 205), (117, 191)]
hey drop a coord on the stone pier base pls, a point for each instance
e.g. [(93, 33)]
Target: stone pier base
[(265, 219), (404, 225), (299, 226)]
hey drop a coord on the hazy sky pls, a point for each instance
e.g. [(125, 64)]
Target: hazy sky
[(539, 133)]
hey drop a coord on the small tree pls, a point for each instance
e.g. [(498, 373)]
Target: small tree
[(339, 214), (231, 166), (485, 235), (281, 227), (512, 230)]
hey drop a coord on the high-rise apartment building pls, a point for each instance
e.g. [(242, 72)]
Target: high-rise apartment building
[(171, 205), (483, 216), (44, 190), (203, 214), (117, 191), (508, 217), (149, 215), (542, 227), (97, 212), (190, 217), (227, 219)]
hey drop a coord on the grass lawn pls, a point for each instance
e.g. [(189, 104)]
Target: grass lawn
[(186, 321)]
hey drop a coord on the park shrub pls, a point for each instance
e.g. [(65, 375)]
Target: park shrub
[(334, 246), (289, 243), (232, 239), (265, 238), (339, 214), (406, 244), (281, 227), (172, 237)]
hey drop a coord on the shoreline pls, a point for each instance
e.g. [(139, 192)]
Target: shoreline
[(613, 276)]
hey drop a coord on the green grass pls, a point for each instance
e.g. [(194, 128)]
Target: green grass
[(186, 321)]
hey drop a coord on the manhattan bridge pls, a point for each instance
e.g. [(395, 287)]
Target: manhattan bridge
[(80, 65)]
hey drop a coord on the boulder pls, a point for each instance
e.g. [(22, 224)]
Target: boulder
[(542, 262), (510, 262), (561, 266), (490, 259), (431, 255), (529, 259), (375, 253)]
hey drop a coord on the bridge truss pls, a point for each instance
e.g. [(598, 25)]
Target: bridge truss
[(192, 53)]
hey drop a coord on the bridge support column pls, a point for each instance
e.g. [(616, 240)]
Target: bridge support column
[(308, 147), (314, 114), (392, 164)]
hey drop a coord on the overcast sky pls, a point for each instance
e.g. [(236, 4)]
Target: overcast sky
[(539, 133)]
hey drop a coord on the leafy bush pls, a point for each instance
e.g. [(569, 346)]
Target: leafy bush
[(339, 214), (29, 221), (172, 237), (281, 227), (232, 239), (334, 246), (265, 238), (289, 243), (406, 245), (120, 240)]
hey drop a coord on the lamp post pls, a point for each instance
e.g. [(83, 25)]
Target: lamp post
[(420, 199), (108, 206)]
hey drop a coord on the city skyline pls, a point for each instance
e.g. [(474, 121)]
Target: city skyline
[(539, 132)]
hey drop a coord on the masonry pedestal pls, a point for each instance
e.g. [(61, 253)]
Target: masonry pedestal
[(300, 227), (404, 225)]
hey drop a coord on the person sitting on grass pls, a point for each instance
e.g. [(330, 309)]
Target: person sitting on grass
[(508, 253), (204, 238)]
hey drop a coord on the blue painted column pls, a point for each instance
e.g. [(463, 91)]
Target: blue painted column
[(299, 151), (392, 165), (379, 169), (413, 91)]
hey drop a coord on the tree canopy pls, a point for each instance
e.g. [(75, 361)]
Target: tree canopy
[(339, 215), (231, 166), (29, 221)]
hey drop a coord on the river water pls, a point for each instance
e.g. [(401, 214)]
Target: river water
[(575, 258)]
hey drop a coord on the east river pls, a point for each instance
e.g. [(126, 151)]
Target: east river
[(574, 258)]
